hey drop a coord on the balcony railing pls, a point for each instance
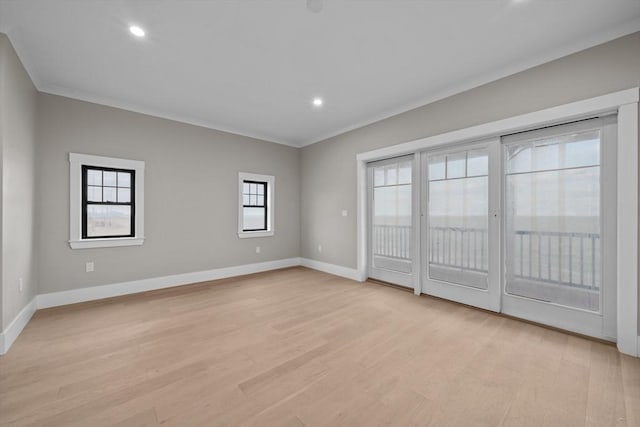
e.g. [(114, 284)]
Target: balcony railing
[(457, 247), (565, 258), (392, 241), (562, 258)]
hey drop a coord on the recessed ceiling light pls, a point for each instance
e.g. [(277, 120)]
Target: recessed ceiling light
[(317, 102), (136, 31)]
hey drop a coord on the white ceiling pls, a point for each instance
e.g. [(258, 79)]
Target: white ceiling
[(253, 67)]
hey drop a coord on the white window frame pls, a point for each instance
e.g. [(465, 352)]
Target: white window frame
[(271, 189), (76, 161), (625, 104)]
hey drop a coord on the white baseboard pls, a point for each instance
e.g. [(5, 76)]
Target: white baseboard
[(338, 270), (55, 299), (9, 335)]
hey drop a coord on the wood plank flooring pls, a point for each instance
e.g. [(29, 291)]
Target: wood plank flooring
[(297, 347)]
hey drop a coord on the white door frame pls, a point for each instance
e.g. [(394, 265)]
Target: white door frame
[(625, 104)]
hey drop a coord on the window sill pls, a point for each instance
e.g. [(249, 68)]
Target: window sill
[(251, 234), (106, 243)]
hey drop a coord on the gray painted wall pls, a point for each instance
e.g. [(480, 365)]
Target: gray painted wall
[(18, 99), (191, 200), (329, 167), (191, 174)]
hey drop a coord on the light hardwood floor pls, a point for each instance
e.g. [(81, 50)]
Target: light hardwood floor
[(297, 347)]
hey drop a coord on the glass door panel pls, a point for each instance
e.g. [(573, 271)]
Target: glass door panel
[(457, 227), (391, 234), (554, 221), (458, 218)]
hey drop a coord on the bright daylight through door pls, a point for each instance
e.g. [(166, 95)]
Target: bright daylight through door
[(391, 227), (553, 219), (458, 217)]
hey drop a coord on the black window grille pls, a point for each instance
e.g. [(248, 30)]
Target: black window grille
[(254, 205), (108, 202)]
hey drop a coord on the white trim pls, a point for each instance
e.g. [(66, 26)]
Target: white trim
[(550, 116), (76, 161), (624, 102), (271, 191), (627, 167), (361, 222), (55, 299), (106, 243), (93, 293), (336, 270), (9, 335), (544, 313)]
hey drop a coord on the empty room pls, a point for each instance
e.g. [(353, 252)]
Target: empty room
[(308, 213)]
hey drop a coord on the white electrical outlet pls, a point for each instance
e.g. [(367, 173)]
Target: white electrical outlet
[(319, 248), (257, 249), (89, 267), (20, 285), (344, 212)]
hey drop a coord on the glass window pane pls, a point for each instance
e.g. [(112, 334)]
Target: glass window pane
[(245, 199), (404, 173), (477, 163), (546, 155), (252, 188), (392, 236), (519, 158), (252, 199), (109, 178), (261, 188), (94, 194), (378, 176), (392, 174), (124, 195), (458, 231), (456, 165), (436, 167), (109, 194), (392, 205), (583, 153), (245, 188), (124, 179), (580, 149), (553, 224), (108, 220), (260, 200), (253, 218), (94, 177)]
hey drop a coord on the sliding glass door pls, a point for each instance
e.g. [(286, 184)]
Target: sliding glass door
[(391, 221), (459, 226), (523, 224), (558, 230)]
